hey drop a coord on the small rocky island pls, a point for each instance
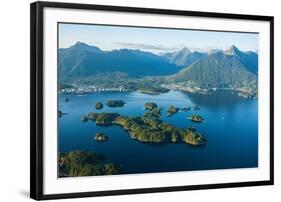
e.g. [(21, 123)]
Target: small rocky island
[(172, 110), (115, 103), (101, 118), (60, 113), (148, 129), (150, 106), (196, 118), (152, 110), (101, 137), (99, 106)]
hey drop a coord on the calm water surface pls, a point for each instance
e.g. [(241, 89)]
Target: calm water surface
[(230, 127)]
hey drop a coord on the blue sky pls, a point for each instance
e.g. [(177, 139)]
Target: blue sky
[(153, 39)]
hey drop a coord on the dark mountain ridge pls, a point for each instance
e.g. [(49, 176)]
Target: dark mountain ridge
[(184, 57), (82, 60), (230, 68), (221, 69), (248, 58)]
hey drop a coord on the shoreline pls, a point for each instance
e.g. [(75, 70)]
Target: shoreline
[(237, 92)]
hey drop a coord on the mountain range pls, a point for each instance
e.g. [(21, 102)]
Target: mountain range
[(82, 60), (249, 58), (220, 69), (184, 57), (232, 67)]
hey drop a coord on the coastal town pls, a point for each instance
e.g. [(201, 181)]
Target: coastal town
[(247, 92), (90, 89), (191, 87)]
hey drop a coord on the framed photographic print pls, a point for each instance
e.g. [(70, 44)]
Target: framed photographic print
[(134, 100)]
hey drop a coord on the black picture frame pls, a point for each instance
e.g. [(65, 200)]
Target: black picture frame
[(36, 99)]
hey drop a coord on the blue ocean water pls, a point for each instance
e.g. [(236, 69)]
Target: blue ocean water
[(230, 127)]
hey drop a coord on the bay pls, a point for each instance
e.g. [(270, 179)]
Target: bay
[(230, 127)]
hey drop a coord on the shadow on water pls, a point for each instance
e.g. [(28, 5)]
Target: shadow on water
[(222, 99)]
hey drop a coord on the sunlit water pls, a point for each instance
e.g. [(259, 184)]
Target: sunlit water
[(230, 127)]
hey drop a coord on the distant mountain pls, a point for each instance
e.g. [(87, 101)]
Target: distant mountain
[(217, 68), (184, 57), (249, 58), (221, 69), (82, 60), (80, 46)]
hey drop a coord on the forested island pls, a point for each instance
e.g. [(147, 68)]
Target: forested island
[(196, 118), (115, 103), (99, 105), (172, 110), (149, 129), (81, 163), (101, 137), (152, 110)]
